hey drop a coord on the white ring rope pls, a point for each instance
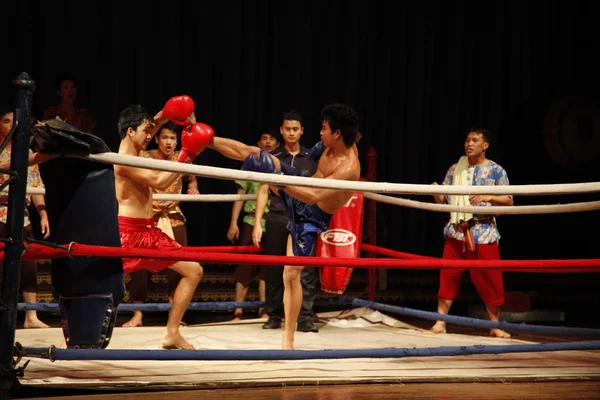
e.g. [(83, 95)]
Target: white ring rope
[(420, 205), (495, 210), (204, 197), (175, 197), (378, 187)]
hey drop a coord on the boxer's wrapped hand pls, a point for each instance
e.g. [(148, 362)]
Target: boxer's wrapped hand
[(194, 140)]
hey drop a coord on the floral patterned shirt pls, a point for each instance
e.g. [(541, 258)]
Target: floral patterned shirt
[(34, 179), (168, 208), (80, 119), (487, 174)]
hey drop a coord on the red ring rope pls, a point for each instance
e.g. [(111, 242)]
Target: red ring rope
[(398, 254), (226, 249), (36, 252)]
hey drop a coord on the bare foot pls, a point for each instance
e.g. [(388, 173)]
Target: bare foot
[(175, 342), (34, 323), (262, 314), (136, 320), (287, 342), (499, 333), (439, 327), (237, 316)]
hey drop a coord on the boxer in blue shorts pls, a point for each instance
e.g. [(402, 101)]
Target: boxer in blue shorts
[(310, 209), (306, 222)]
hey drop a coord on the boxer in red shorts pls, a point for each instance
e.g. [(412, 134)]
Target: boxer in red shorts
[(472, 237), (134, 195)]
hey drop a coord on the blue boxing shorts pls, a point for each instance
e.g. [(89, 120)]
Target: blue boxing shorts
[(306, 221)]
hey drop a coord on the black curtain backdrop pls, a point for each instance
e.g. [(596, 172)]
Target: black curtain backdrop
[(419, 73)]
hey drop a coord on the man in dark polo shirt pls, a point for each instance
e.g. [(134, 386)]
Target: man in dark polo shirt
[(275, 238)]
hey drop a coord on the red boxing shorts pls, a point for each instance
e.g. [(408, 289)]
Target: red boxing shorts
[(140, 233)]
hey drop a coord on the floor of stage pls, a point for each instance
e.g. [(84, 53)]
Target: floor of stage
[(414, 391), (336, 379)]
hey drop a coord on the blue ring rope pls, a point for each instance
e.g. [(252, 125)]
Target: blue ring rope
[(427, 315), (55, 354), (477, 323), (153, 307), (206, 306)]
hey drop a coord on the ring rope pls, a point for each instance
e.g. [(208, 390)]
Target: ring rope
[(497, 210), (420, 205), (193, 306), (380, 187), (345, 301), (36, 247), (175, 197), (476, 323), (225, 249), (255, 355), (42, 252), (204, 197), (369, 248)]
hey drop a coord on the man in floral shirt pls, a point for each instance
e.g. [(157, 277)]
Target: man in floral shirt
[(167, 216), (28, 268), (471, 237), (79, 117)]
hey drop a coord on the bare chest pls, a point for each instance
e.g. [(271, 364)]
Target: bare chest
[(329, 165), (129, 190)]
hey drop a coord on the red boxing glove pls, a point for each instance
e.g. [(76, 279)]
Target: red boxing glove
[(194, 140), (178, 108)]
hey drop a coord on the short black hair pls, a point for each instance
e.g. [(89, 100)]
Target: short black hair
[(292, 115), (487, 135), (63, 77), (271, 132), (275, 132), (132, 117), (5, 109), (170, 125), (342, 117)]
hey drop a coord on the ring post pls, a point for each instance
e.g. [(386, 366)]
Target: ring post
[(14, 232)]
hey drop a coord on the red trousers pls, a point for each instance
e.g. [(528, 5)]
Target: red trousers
[(489, 283)]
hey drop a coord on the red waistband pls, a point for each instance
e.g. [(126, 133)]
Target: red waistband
[(137, 223), (465, 228), (480, 221)]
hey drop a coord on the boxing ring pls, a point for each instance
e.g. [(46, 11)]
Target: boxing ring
[(364, 341), (377, 346)]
